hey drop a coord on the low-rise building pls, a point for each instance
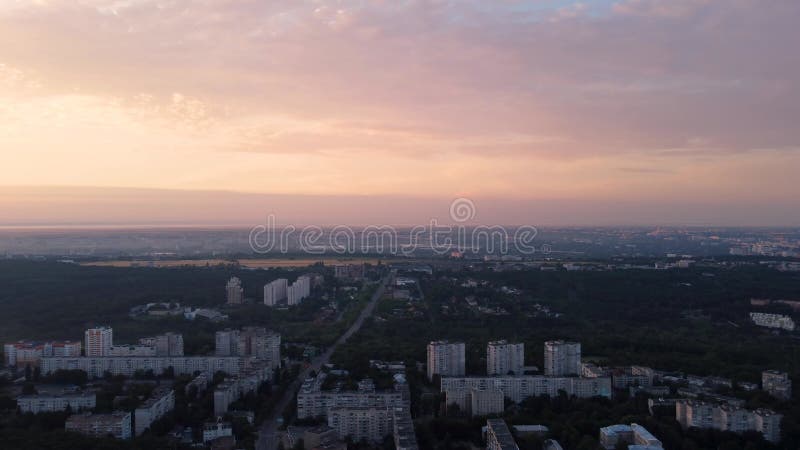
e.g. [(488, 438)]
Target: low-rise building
[(633, 434), (97, 367), (116, 424), (216, 430)]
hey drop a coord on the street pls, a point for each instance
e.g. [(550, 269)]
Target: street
[(268, 434)]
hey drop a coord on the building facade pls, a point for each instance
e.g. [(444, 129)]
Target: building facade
[(777, 384), (724, 417)]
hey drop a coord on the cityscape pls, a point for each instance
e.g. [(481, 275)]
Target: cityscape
[(399, 225)]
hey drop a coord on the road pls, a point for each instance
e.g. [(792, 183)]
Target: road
[(268, 434)]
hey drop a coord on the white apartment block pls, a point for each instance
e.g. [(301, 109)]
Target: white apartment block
[(128, 366), (446, 359), (370, 424), (157, 406), (778, 321), (633, 434), (50, 403), (226, 343), (30, 353), (99, 341), (503, 358), (167, 344), (562, 358), (520, 388), (777, 384), (299, 290), (116, 424), (275, 291), (234, 291), (498, 436), (724, 417)]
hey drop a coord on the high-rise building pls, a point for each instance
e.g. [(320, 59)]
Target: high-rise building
[(99, 341), (503, 358), (275, 291), (299, 290), (234, 291), (562, 358), (777, 384), (446, 359)]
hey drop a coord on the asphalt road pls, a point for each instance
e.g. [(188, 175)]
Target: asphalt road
[(268, 434)]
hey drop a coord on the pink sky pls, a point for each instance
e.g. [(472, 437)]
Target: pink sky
[(544, 111)]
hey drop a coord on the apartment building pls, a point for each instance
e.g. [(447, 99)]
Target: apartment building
[(367, 423), (167, 344), (116, 424), (520, 388), (777, 384), (725, 417), (96, 367), (504, 358), (562, 358), (234, 292), (161, 401), (498, 436), (99, 341), (299, 290), (51, 403), (22, 353), (633, 434), (275, 291), (446, 359)]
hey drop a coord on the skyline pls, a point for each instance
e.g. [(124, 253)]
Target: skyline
[(628, 112)]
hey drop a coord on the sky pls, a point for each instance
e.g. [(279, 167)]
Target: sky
[(545, 112)]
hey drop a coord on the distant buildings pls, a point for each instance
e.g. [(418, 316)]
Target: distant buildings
[(503, 358), (349, 271), (232, 389), (21, 354), (161, 401), (777, 321), (235, 293), (50, 403), (635, 435), (562, 358), (725, 417), (116, 424), (275, 291), (123, 351), (299, 290), (498, 436), (446, 359), (99, 341), (777, 384)]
